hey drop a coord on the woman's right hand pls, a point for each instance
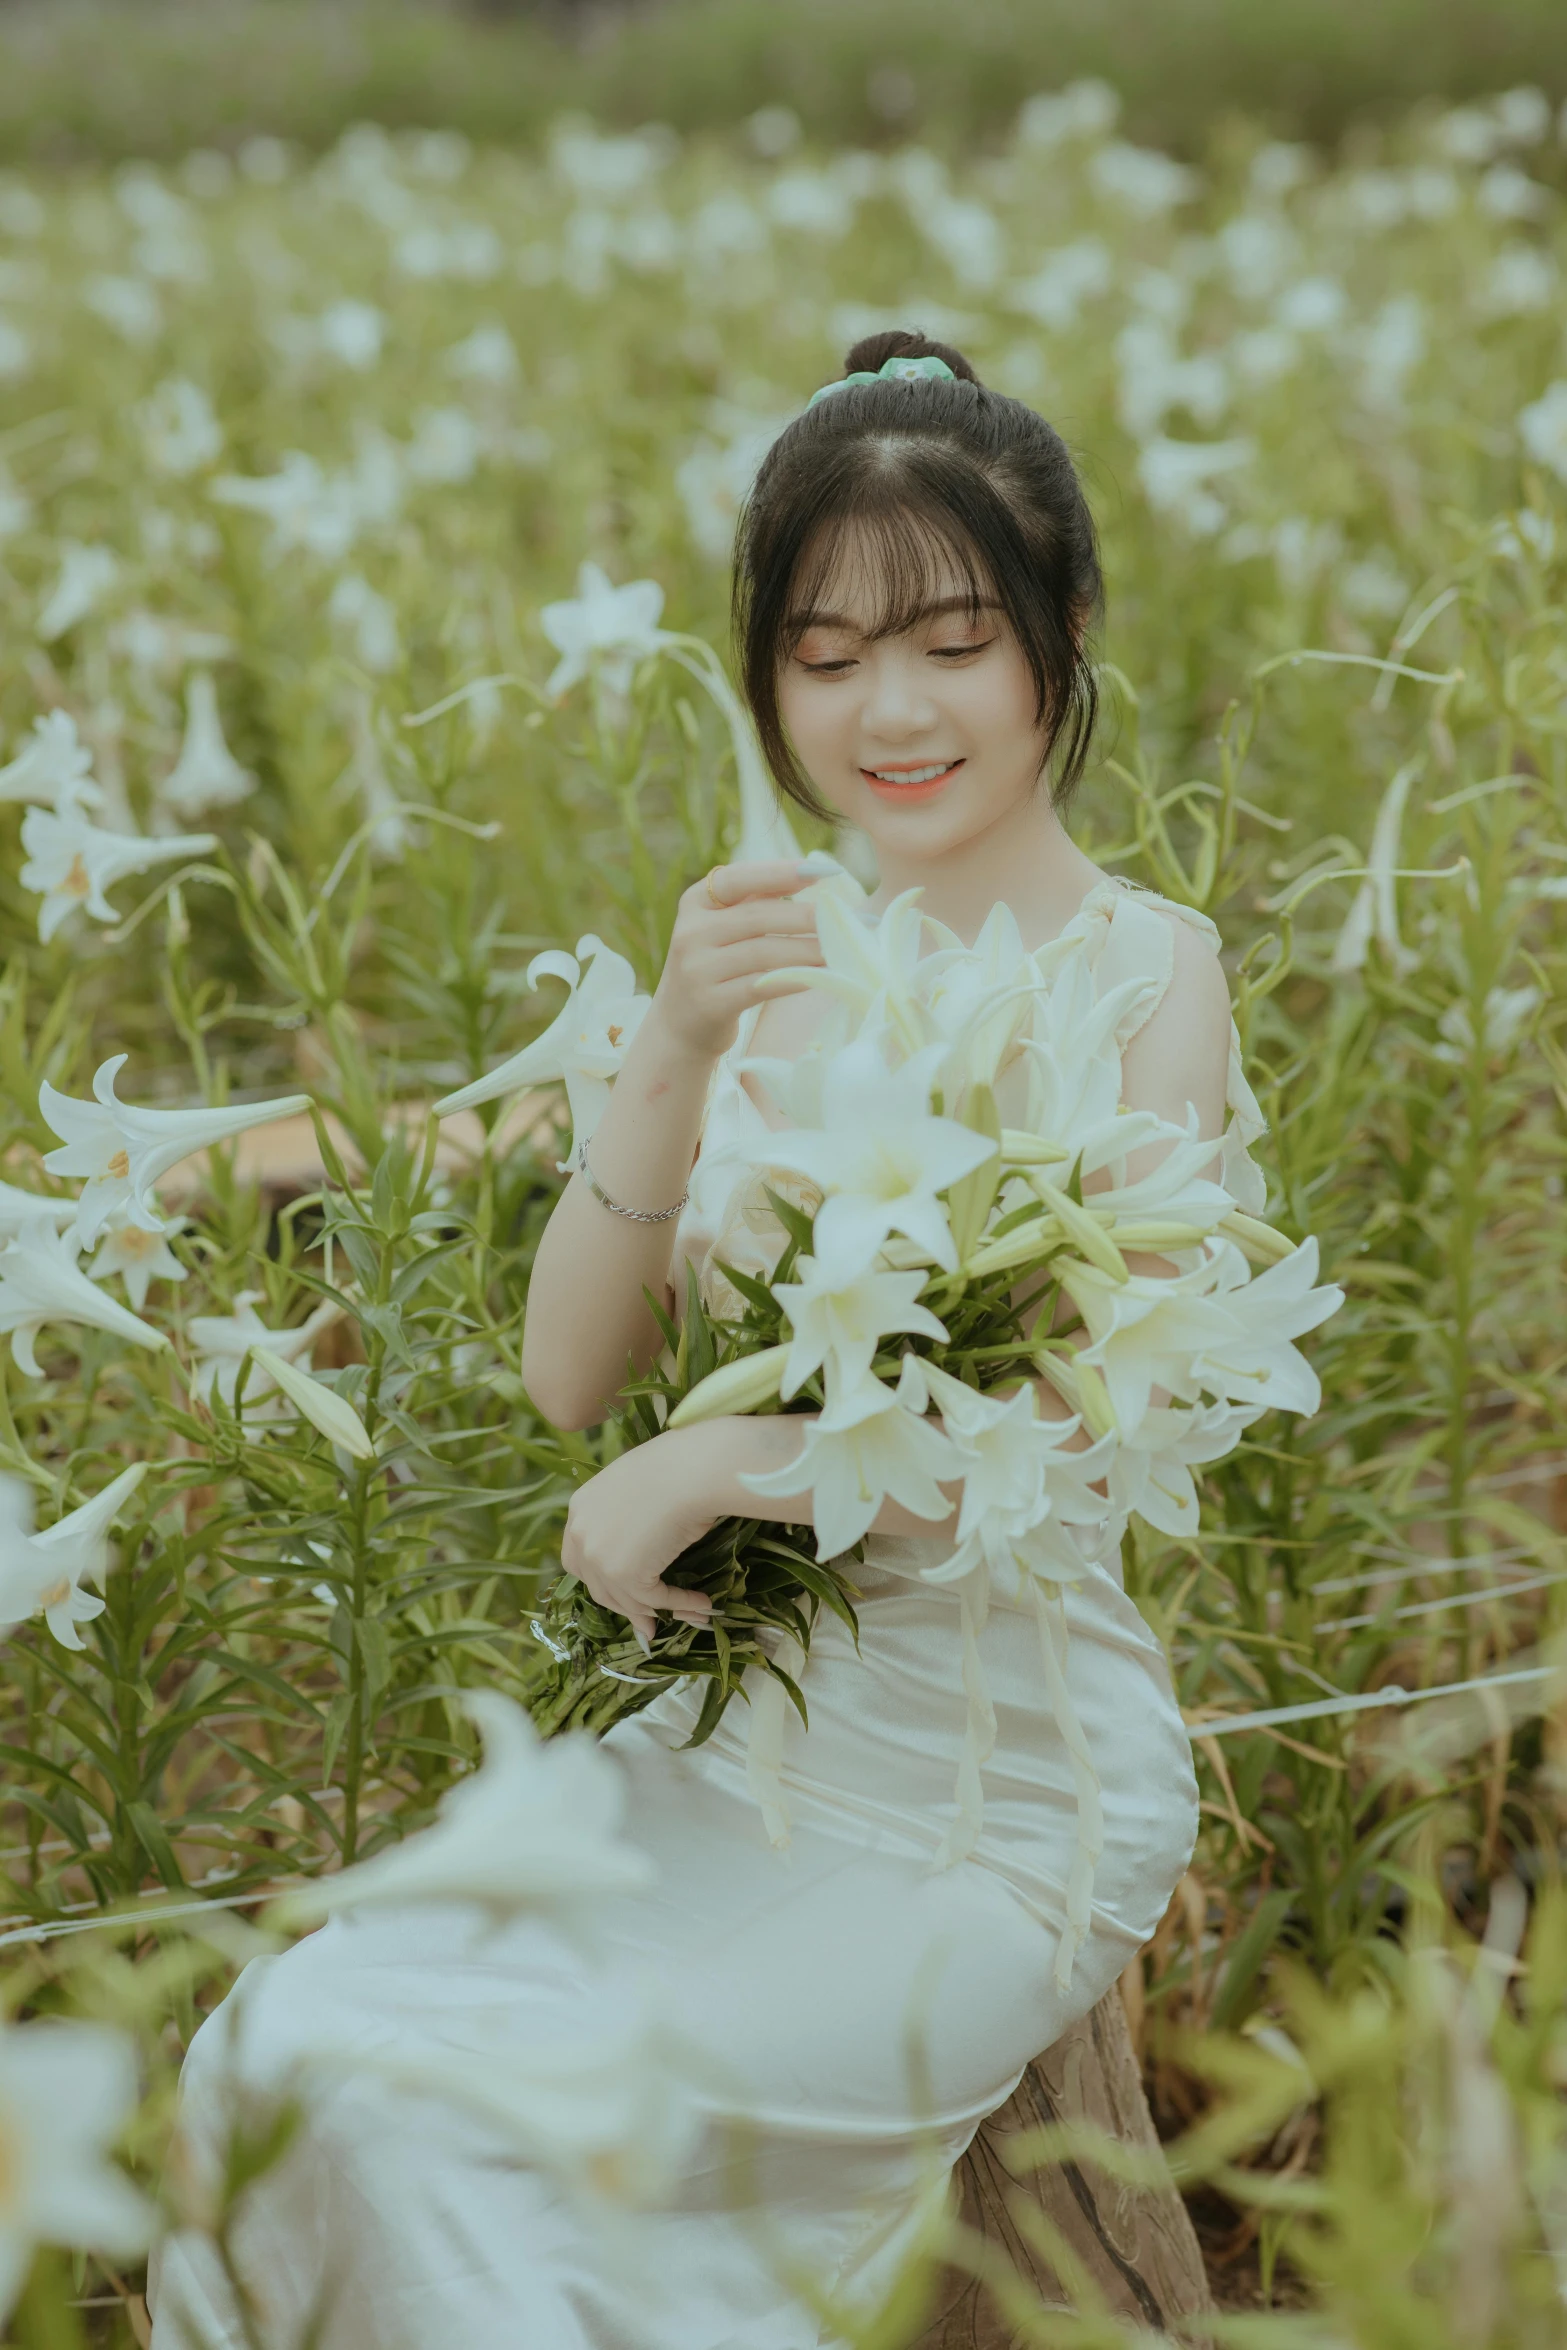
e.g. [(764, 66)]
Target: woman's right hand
[(735, 929)]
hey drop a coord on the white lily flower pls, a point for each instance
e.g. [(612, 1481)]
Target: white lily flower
[(163, 648), (121, 1150), (67, 2090), (86, 576), (70, 863), (869, 1446), (207, 774), (180, 431), (53, 766), (19, 1208), (583, 1046), (1152, 1479), (221, 1342), (603, 629), (137, 1254), (610, 2114), (840, 1321), (1174, 1191), (40, 1281), (1018, 1473), (980, 1000), (1374, 913), (879, 1156), (536, 1829), (43, 1573), (1146, 1331), (872, 962), (1253, 1362)]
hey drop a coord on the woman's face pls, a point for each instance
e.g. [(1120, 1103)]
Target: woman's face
[(924, 740)]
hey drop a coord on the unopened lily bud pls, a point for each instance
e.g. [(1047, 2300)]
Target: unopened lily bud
[(1028, 1245), (738, 1387), (1259, 1243), (1089, 1238), (1153, 1233), (1093, 1400), (1021, 1149)]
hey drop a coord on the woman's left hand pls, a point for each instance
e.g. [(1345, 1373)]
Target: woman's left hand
[(627, 1524)]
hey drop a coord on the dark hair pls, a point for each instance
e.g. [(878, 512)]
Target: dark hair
[(926, 468)]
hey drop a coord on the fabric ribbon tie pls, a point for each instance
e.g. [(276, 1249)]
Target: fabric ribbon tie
[(764, 1741), (1050, 1613), (892, 371)]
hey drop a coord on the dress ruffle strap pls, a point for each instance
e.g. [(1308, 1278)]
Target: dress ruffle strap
[(765, 1738), (1050, 1614), (979, 1735)]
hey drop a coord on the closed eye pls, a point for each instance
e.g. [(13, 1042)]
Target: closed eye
[(960, 652)]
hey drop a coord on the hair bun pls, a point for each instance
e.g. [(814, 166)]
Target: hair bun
[(872, 352)]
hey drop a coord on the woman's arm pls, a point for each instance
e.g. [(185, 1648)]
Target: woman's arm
[(586, 1311)]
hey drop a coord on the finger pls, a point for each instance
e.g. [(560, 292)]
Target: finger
[(691, 1607), (771, 877), (758, 918), (753, 956)]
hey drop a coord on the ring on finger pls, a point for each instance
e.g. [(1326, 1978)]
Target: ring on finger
[(713, 897)]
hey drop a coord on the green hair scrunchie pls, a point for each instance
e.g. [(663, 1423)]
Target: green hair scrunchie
[(896, 370)]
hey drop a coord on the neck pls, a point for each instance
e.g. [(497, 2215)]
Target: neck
[(1025, 860)]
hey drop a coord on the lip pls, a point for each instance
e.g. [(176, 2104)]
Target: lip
[(905, 792)]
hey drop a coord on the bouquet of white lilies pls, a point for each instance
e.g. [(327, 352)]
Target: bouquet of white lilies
[(937, 1256)]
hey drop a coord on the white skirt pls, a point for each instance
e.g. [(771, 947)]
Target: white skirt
[(858, 2011)]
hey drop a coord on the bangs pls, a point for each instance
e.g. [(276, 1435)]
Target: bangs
[(892, 564)]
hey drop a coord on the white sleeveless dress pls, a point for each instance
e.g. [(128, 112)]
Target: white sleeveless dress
[(808, 1917)]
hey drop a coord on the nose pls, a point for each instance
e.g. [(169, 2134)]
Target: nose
[(898, 707)]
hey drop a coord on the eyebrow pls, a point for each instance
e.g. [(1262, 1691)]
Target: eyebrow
[(936, 611)]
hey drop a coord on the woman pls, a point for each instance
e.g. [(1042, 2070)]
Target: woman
[(916, 575)]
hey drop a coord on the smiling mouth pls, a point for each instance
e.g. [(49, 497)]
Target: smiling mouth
[(911, 783)]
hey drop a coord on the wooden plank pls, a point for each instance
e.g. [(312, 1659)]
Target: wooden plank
[(1137, 2245)]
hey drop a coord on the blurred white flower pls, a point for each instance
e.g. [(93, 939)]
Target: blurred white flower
[(323, 513), (1083, 110), (1261, 355), (70, 863), (583, 1046), (446, 446), (1310, 306), (1507, 193), (41, 1282), (1175, 474), (355, 604), (1542, 428), (815, 203), (206, 774), (1373, 588), (1142, 179), (16, 351), (967, 235), (1065, 280), (391, 827), (1154, 378), (487, 356), (121, 1149), (870, 1445), (1520, 278), (1468, 134), (221, 1342), (67, 2090), (1390, 347), (128, 304), (53, 766), (351, 332), (1257, 249), (137, 1254), (42, 1574), (714, 480), (613, 168), (16, 509), (468, 249), (1279, 168), (534, 1830), (162, 648), (603, 629), (1507, 1013), (839, 1322), (86, 575), (179, 430), (773, 131)]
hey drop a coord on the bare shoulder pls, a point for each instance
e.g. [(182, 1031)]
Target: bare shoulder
[(1182, 1052)]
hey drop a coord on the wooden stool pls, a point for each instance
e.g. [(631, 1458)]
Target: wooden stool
[(1136, 2243)]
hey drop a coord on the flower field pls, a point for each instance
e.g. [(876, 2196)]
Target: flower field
[(293, 456)]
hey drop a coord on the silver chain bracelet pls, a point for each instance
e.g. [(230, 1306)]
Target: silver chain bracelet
[(636, 1215)]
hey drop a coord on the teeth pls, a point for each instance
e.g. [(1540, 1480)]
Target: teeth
[(913, 774)]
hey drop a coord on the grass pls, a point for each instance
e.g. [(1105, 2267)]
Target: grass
[(111, 78)]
